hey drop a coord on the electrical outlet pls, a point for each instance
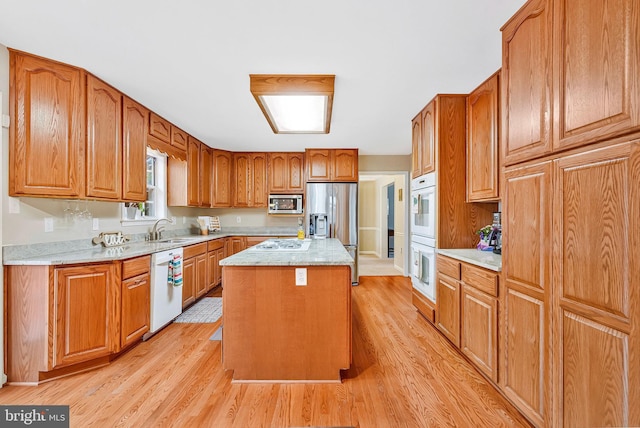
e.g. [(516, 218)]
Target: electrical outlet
[(6, 120), (48, 224), (184, 220), (238, 219), (173, 220), (14, 205), (301, 276), (96, 224)]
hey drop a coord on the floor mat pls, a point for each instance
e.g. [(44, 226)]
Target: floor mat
[(207, 310)]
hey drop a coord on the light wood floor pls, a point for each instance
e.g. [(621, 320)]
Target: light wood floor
[(404, 374)]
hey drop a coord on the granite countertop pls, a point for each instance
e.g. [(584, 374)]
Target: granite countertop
[(321, 252), (485, 259), (83, 251)]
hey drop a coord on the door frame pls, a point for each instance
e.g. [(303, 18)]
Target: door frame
[(405, 204)]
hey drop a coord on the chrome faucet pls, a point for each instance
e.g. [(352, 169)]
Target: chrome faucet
[(156, 232)]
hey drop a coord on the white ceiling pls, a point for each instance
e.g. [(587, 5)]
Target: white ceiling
[(190, 60)]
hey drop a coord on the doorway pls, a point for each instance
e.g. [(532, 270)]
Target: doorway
[(390, 219), (383, 212)]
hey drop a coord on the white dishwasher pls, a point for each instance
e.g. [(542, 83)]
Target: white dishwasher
[(166, 298)]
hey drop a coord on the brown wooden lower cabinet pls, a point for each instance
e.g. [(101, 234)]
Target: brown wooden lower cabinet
[(479, 335), (467, 313), (72, 314), (215, 253), (136, 292), (275, 330), (448, 313), (85, 313), (194, 273)]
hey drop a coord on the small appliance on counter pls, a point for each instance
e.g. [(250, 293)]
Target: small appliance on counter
[(495, 240)]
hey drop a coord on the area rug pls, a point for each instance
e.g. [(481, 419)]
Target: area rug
[(207, 310)]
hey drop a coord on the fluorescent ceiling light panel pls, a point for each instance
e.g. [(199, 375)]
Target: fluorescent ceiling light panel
[(295, 104)]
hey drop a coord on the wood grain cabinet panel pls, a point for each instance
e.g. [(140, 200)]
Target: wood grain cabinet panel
[(525, 81), (206, 163), (193, 172), (428, 139), (250, 172), (596, 235), (596, 70), (135, 317), (134, 150), (242, 179), (295, 172), (318, 164), (416, 146), (278, 182), (201, 275), (327, 165), (525, 375), (345, 165), (259, 193), (86, 313), (104, 140), (483, 107), (160, 128), (189, 279), (179, 138), (285, 172), (222, 168), (448, 312), (479, 330), (47, 132), (525, 342)]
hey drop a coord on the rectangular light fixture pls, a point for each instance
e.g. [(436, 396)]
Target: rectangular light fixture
[(295, 103)]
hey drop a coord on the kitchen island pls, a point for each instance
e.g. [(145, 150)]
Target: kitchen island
[(287, 313)]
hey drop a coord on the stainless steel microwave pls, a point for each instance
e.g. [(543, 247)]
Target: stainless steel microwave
[(285, 204)]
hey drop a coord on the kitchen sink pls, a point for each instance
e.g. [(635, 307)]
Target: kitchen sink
[(173, 240)]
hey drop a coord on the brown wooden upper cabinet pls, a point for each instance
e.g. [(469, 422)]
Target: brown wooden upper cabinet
[(179, 138), (221, 196), (423, 141), (189, 182), (47, 116), (339, 165), (159, 128), (104, 140), (134, 150), (526, 69), (116, 144), (250, 179), (597, 62), (483, 110), (285, 172)]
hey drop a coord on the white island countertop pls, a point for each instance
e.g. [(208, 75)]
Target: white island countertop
[(485, 259), (321, 252)]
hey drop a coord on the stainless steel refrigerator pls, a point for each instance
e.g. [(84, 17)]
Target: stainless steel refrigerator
[(331, 211)]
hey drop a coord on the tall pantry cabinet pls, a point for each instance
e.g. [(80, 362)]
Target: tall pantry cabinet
[(570, 336)]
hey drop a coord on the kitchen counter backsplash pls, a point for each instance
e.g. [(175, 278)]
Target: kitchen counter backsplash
[(84, 251)]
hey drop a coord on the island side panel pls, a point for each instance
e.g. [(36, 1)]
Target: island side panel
[(275, 330)]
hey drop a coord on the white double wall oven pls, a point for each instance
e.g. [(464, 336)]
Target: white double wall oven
[(423, 235)]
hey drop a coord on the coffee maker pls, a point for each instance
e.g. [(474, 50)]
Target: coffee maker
[(495, 239)]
